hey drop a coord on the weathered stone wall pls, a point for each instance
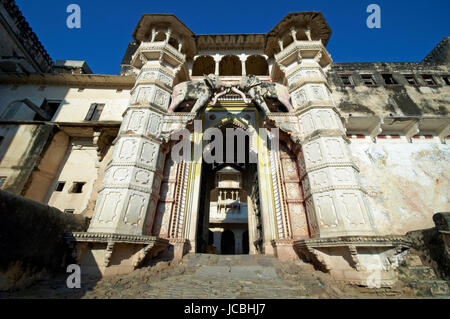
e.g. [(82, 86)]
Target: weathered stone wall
[(31, 240), (407, 182), (20, 152), (400, 99)]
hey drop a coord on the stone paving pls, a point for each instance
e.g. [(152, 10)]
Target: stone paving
[(200, 276)]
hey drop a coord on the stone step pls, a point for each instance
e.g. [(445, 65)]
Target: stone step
[(237, 272), (228, 260), (431, 287)]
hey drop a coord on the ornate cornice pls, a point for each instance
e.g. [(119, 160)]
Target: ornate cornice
[(74, 80), (356, 241), (116, 238)]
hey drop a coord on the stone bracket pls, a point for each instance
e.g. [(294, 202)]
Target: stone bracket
[(342, 257), (82, 242), (412, 130)]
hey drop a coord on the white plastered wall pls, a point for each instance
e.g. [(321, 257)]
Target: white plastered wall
[(407, 182)]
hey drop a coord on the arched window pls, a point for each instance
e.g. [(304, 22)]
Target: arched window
[(230, 65), (257, 65), (173, 42), (287, 39), (203, 65), (160, 37)]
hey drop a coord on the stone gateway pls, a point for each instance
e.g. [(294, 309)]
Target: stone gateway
[(361, 158)]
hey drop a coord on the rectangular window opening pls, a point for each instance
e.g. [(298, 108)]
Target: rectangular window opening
[(77, 188), (411, 79), (389, 79), (346, 79), (50, 108), (368, 79), (94, 112), (69, 211), (446, 79), (428, 78), (60, 186)]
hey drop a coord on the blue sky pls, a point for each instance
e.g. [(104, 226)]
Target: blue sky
[(409, 30)]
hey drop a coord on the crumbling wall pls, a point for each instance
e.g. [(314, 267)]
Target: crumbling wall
[(432, 245), (31, 240)]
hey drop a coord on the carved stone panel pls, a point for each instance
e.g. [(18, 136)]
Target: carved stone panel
[(313, 154), (154, 125), (144, 95), (161, 98), (149, 154), (319, 179), (299, 224), (137, 121), (335, 149), (135, 211), (127, 149), (143, 177), (307, 123), (326, 210), (353, 210), (109, 208), (120, 175)]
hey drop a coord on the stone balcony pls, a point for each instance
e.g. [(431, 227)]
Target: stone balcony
[(155, 51)]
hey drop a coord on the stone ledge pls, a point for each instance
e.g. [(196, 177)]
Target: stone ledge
[(345, 257), (116, 238), (108, 254), (362, 241)]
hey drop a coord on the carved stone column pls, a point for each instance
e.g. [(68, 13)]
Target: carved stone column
[(121, 228), (335, 201), (129, 195), (344, 237)]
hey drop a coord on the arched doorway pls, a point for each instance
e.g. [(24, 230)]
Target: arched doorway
[(226, 201), (228, 243)]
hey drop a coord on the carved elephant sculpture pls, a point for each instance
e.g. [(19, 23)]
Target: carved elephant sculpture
[(202, 91), (258, 90)]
